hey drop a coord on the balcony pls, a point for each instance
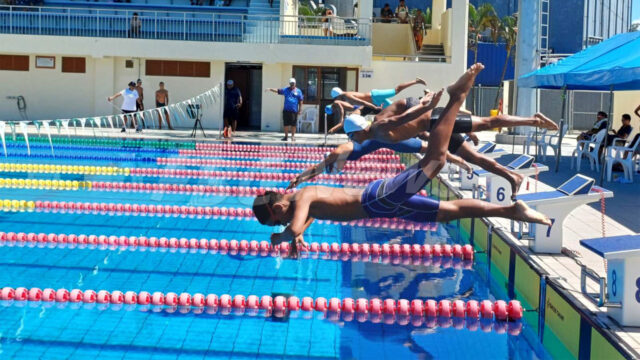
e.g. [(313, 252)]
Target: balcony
[(165, 24)]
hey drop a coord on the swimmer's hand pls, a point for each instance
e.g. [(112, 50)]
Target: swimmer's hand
[(465, 166), (297, 244), (473, 137), (294, 182)]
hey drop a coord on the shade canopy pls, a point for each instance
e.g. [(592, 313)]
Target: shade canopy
[(612, 64)]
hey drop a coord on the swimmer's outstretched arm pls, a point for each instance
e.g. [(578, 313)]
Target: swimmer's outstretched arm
[(455, 159), (354, 100), (339, 153)]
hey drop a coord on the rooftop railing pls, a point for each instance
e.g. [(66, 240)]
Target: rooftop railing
[(190, 26)]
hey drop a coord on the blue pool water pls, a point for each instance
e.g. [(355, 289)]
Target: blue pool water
[(65, 331)]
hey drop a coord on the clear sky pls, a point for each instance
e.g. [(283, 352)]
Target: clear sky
[(635, 8)]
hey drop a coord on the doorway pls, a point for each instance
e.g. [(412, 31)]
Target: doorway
[(248, 79)]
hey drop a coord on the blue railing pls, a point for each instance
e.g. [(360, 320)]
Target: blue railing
[(173, 25)]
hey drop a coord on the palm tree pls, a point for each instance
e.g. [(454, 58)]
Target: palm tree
[(481, 19), (509, 33)]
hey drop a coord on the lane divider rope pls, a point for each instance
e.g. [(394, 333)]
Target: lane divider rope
[(191, 211), (302, 156), (276, 148), (472, 309), (441, 255), (360, 166)]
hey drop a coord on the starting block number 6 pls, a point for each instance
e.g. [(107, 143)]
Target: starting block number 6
[(500, 194)]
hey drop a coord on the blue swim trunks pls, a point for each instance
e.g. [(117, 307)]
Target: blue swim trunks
[(396, 197), (380, 97)]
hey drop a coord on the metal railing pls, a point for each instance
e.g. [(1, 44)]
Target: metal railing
[(415, 58), (191, 26)]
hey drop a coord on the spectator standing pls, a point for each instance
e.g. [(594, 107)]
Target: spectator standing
[(292, 107), (327, 22), (386, 13), (140, 90), (402, 13), (136, 25), (418, 29), (130, 98), (162, 100), (232, 105)]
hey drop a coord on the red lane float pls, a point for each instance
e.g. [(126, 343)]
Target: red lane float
[(360, 167), (276, 148), (302, 156), (345, 179), (203, 212), (425, 254), (502, 310)]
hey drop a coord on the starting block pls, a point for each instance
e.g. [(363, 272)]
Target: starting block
[(469, 181), (557, 204), (498, 188), (622, 297)]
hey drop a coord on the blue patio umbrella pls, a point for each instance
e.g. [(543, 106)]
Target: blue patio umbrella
[(613, 64)]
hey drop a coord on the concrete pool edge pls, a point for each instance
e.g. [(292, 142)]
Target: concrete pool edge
[(566, 326)]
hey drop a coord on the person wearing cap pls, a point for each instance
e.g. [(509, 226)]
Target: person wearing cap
[(292, 107), (162, 100), (376, 98), (129, 105), (395, 197), (140, 90), (232, 104)]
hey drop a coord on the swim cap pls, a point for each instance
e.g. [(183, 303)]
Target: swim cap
[(354, 123), (328, 110), (335, 92)]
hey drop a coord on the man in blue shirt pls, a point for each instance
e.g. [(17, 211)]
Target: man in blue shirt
[(292, 107), (232, 104)]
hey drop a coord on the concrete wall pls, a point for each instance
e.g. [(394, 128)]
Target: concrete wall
[(393, 39), (624, 102)]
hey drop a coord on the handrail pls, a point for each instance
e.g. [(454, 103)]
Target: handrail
[(414, 57), (191, 26), (151, 7)]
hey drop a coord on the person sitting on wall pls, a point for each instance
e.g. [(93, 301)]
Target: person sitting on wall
[(386, 13)]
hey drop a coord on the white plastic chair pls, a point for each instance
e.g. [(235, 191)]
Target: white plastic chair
[(551, 141), (309, 116), (531, 138), (589, 149), (625, 156)]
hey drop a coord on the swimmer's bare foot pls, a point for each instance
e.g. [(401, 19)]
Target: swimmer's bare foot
[(461, 87), (420, 81), (524, 213), (544, 122), (516, 181)]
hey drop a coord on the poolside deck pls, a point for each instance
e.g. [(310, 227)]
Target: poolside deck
[(583, 222)]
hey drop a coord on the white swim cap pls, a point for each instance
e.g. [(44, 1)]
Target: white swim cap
[(335, 92), (354, 122)]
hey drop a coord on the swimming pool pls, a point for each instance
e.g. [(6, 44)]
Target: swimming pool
[(32, 329)]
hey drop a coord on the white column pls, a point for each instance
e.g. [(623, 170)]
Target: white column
[(103, 85), (527, 56), (459, 35), (365, 9)]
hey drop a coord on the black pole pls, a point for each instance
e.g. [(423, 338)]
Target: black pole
[(560, 135), (604, 145)]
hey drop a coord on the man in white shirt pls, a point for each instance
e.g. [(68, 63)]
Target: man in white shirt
[(402, 12), (129, 105)]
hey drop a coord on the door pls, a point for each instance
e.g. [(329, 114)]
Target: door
[(248, 79)]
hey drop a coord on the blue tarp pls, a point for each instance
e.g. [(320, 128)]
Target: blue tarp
[(614, 62)]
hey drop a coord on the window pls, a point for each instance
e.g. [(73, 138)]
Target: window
[(14, 62), (178, 68), (74, 65), (316, 82)]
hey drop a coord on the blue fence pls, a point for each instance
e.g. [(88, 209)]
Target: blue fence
[(172, 25)]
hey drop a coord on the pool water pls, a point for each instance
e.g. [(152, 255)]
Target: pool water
[(65, 330)]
